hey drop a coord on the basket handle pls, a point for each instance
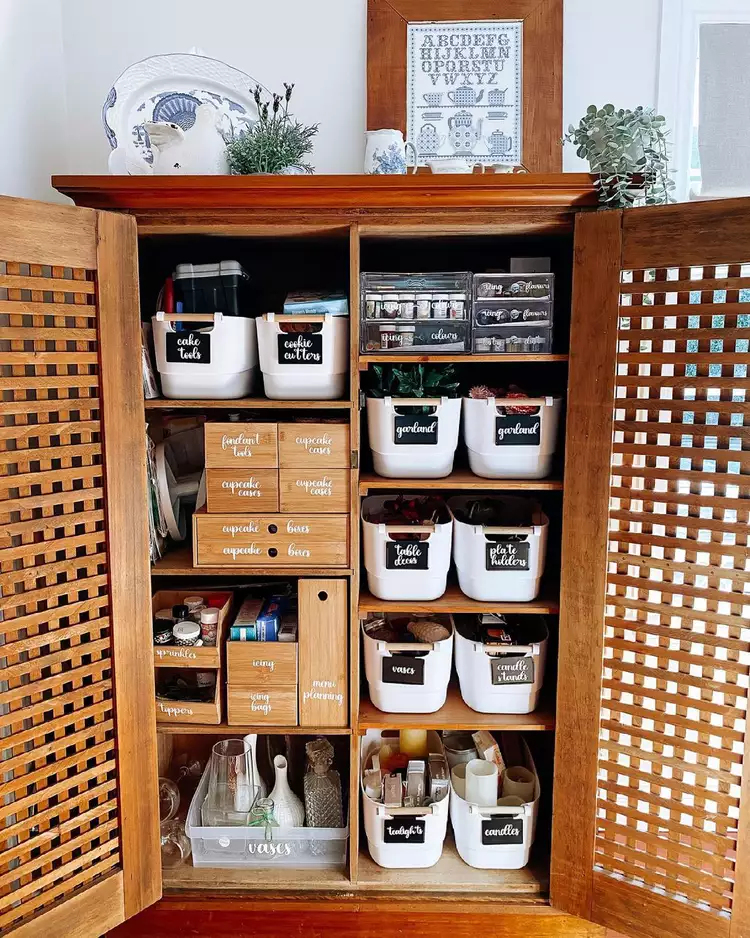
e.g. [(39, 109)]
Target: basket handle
[(509, 650), (161, 316), (520, 401), (527, 532), (387, 813), (521, 810), (405, 646), (414, 401), (408, 528), (313, 317)]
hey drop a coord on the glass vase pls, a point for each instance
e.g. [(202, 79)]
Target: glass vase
[(231, 785)]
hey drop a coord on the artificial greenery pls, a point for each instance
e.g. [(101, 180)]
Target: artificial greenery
[(275, 142), (629, 153), (414, 381)]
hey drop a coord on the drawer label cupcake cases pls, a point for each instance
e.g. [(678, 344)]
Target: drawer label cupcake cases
[(419, 430), (518, 430), (507, 555), (407, 555)]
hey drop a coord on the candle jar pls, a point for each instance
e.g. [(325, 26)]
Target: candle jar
[(405, 336), (457, 305), (372, 306), (440, 306)]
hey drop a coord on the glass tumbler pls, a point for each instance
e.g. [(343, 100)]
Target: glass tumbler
[(231, 785)]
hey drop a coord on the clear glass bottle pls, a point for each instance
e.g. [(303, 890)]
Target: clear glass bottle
[(323, 803)]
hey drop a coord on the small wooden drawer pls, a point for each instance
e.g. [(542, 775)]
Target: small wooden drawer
[(270, 540), (272, 706), (178, 711), (241, 445), (314, 490), (262, 664), (202, 657), (314, 446), (242, 490)]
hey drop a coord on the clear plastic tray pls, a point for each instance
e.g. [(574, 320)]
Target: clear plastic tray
[(417, 337), (514, 286), (513, 339), (503, 312)]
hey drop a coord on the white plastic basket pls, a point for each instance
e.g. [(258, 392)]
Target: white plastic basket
[(422, 830), (435, 435), (492, 570), (218, 362), (496, 678), (511, 446), (513, 828), (392, 690), (390, 572), (319, 361), (247, 847)]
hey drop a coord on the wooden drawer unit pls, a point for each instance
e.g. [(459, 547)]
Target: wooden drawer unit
[(314, 446), (241, 445), (242, 490), (323, 627), (272, 706), (314, 490), (262, 664), (270, 540), (178, 711), (202, 657)]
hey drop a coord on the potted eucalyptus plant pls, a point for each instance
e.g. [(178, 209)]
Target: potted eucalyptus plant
[(628, 151)]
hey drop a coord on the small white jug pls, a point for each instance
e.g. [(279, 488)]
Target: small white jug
[(386, 153), (452, 166)]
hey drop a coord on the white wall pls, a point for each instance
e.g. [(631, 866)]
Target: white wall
[(62, 56)]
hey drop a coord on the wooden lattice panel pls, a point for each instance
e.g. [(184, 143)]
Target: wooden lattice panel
[(677, 619), (58, 810)]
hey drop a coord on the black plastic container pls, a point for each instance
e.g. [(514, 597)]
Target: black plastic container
[(212, 288)]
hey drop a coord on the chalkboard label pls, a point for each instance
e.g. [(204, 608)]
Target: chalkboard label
[(193, 348), (518, 430), (513, 669), (507, 555), (300, 348), (406, 555), (400, 669), (439, 335), (403, 830), (502, 830), (419, 430)]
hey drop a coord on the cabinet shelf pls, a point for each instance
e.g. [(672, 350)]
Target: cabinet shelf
[(459, 479), (465, 358), (188, 878), (456, 715), (244, 403), (179, 562), (224, 729), (453, 600)]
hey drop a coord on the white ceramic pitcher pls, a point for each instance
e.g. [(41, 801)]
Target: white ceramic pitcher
[(386, 153)]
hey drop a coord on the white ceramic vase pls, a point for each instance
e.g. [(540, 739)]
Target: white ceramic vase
[(287, 807), (252, 740)]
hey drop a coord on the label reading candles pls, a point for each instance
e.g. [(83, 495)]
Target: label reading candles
[(406, 555), (518, 430), (507, 555), (301, 348), (403, 831), (419, 430), (399, 669), (192, 348), (513, 669), (502, 830)]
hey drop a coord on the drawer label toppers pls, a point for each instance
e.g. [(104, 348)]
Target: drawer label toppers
[(407, 555), (518, 430), (300, 348), (507, 555), (192, 348), (417, 430)]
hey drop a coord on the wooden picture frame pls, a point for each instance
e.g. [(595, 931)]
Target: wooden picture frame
[(387, 22)]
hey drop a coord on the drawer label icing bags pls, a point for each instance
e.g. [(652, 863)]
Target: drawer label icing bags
[(189, 348), (507, 555), (403, 830), (513, 669), (300, 348), (419, 430), (502, 830), (518, 430), (400, 669), (407, 555)]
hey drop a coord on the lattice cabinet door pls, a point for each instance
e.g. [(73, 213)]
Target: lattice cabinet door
[(79, 847), (652, 781)]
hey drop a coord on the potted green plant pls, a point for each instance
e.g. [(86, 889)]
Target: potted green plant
[(409, 439), (628, 151), (275, 143)]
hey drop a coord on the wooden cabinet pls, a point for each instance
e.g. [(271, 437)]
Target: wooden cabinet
[(649, 814)]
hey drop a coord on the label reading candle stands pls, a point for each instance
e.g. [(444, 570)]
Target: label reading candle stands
[(189, 347), (507, 555), (419, 430), (518, 430), (403, 831), (407, 555), (301, 348), (400, 669), (512, 669), (501, 830)]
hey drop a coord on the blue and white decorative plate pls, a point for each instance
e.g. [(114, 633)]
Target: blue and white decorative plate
[(169, 89)]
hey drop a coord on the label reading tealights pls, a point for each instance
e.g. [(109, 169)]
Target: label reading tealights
[(507, 555), (401, 830)]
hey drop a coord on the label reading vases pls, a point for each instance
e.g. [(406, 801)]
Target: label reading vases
[(513, 669), (502, 830), (419, 430), (189, 348), (403, 831), (507, 555), (518, 430), (400, 669), (300, 348), (406, 555)]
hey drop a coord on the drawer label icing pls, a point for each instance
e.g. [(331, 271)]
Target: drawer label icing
[(400, 669), (507, 555), (403, 830), (518, 430), (300, 348), (407, 555), (502, 831), (512, 669), (417, 430), (193, 348)]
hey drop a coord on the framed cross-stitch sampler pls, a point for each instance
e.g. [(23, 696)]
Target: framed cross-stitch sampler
[(479, 80)]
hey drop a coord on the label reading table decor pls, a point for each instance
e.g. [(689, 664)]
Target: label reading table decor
[(407, 555), (400, 669), (419, 430), (301, 348), (403, 831), (192, 348), (513, 669), (501, 830), (507, 555), (518, 430)]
